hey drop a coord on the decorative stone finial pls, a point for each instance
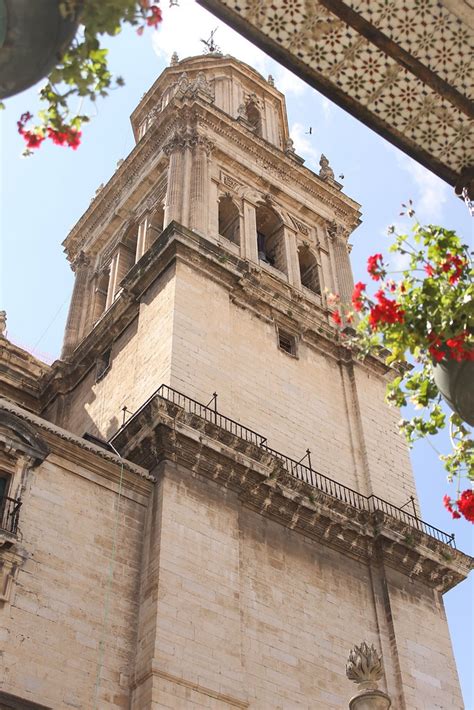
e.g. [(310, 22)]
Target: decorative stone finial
[(364, 667), (3, 323), (290, 146), (326, 172), (271, 80), (174, 59)]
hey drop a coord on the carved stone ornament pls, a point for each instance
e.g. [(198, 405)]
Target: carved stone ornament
[(336, 231), (229, 181), (300, 226), (290, 146), (184, 138), (174, 59), (326, 172), (271, 80), (183, 83), (3, 323), (364, 667)]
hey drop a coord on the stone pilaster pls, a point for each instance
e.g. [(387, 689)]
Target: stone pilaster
[(143, 237), (291, 249), (174, 194), (199, 188), (71, 334), (250, 232), (342, 266)]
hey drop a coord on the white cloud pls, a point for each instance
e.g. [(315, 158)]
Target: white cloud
[(288, 83), (303, 143), (326, 105), (185, 25), (431, 193)]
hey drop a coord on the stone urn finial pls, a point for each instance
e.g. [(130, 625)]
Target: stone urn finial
[(174, 59), (3, 323), (364, 667)]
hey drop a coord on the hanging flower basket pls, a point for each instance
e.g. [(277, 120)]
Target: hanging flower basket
[(33, 37), (423, 323), (455, 381)]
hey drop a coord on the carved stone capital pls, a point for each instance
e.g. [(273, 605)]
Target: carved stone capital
[(81, 261), (337, 231)]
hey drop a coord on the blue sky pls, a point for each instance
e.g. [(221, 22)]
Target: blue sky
[(42, 198)]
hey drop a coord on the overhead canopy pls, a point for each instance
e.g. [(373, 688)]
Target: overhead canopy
[(403, 68)]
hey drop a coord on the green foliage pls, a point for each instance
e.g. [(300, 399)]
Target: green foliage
[(436, 298), (82, 72)]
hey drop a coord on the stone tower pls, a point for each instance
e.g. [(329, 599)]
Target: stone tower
[(207, 434)]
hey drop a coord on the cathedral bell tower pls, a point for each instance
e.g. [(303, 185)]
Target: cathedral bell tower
[(199, 345)]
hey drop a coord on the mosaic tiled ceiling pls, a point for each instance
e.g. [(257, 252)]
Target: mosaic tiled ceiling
[(403, 67)]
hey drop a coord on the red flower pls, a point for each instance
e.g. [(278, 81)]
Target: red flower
[(448, 504), (155, 18), (336, 316), (357, 298), (429, 270), (386, 311), (465, 504), (33, 140), (69, 136), (456, 264), (375, 266)]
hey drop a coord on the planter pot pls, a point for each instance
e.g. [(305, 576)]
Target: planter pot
[(455, 381), (33, 37)]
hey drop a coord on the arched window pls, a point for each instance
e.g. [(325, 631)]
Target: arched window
[(254, 118), (270, 238), (229, 220), (309, 270)]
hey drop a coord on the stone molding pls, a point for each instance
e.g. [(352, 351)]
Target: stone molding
[(45, 429), (163, 431), (250, 287)]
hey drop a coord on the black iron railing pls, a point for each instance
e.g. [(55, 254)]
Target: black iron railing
[(298, 469), (9, 514)]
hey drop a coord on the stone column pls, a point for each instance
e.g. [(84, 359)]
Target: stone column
[(342, 265), (199, 188), (292, 262), (250, 233), (143, 238), (174, 192), (78, 302), (364, 667)]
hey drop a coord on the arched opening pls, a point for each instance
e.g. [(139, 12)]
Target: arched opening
[(229, 220), (309, 272), (254, 118), (271, 238)]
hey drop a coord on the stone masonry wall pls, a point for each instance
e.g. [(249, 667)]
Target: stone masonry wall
[(297, 403), (140, 363), (52, 625), (252, 614)]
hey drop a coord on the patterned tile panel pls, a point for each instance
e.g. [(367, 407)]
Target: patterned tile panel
[(403, 105)]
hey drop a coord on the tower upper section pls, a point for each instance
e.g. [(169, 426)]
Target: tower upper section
[(231, 86), (213, 154)]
